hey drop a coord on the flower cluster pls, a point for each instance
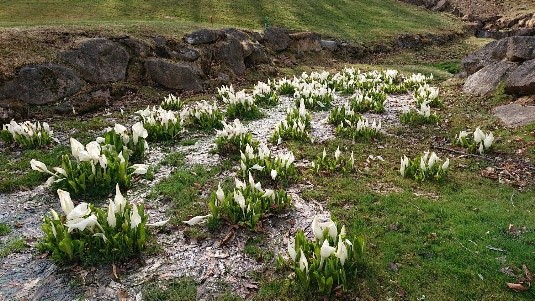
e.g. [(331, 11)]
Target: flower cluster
[(417, 80), (95, 168), (247, 203), (362, 129), (203, 116), (224, 92), (160, 124), (315, 95), (428, 94), (27, 134), (343, 116), (372, 100), (134, 146), (329, 261), (263, 94), (241, 105), (296, 126), (332, 164), (419, 116), (262, 163), (233, 137), (285, 86), (479, 141), (171, 103), (91, 235), (423, 168)]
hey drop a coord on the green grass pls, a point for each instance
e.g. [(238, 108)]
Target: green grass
[(15, 170), (5, 229), (181, 289), (11, 246), (365, 20)]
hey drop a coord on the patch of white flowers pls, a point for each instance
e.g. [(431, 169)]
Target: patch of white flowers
[(477, 141), (27, 134)]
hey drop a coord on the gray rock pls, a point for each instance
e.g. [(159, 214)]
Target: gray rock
[(306, 42), (244, 39), (176, 76), (521, 81), (485, 80), (98, 60), (135, 47), (230, 53), (514, 115), (184, 53), (520, 49), (258, 56), (491, 53), (277, 39), (330, 45), (203, 36), (42, 84)]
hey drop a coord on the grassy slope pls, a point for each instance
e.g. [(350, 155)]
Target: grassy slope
[(365, 20)]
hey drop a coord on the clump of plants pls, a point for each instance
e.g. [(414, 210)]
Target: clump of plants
[(327, 263), (94, 169), (27, 134), (241, 105), (424, 168), (296, 126), (91, 235), (203, 116), (134, 146), (428, 94), (172, 103), (160, 124), (224, 92), (361, 130), (285, 86), (335, 163), (246, 204), (262, 164), (315, 95), (372, 100), (343, 116), (420, 116), (478, 142), (233, 138), (264, 95)]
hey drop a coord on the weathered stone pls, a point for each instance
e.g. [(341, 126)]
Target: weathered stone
[(521, 81), (485, 80), (134, 46), (244, 39), (42, 84), (177, 76), (520, 49), (12, 109), (491, 53), (330, 45), (258, 56), (230, 53), (277, 39), (306, 42), (98, 60), (184, 53), (514, 115), (203, 36)]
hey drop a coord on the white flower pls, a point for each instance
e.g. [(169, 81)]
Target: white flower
[(239, 184), (303, 263), (326, 251), (324, 154), (238, 197), (120, 202), (446, 164), (39, 166), (60, 171), (140, 169), (462, 135), (269, 193), (135, 218), (65, 201), (316, 229), (337, 153), (220, 194), (76, 147), (138, 131), (403, 165), (100, 140), (103, 161), (196, 220), (478, 135), (432, 159), (119, 129), (273, 174), (488, 140), (341, 251), (112, 221), (79, 211), (291, 251), (82, 223), (54, 214), (257, 167)]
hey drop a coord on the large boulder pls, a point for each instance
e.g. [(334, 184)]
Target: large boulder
[(176, 76), (230, 53), (277, 39), (98, 60), (203, 36), (520, 49), (485, 80), (42, 84), (306, 42), (521, 81), (491, 53), (258, 56)]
